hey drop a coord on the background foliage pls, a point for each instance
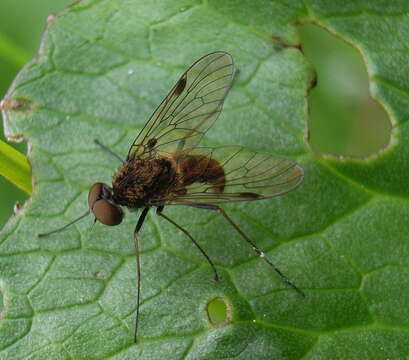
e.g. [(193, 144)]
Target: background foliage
[(21, 25)]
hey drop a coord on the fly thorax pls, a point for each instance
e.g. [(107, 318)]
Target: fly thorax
[(141, 180)]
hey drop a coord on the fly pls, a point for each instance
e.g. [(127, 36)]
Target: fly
[(165, 165)]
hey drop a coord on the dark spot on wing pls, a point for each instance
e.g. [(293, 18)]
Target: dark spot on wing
[(152, 142), (180, 86), (250, 195)]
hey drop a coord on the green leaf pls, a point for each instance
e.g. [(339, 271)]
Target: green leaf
[(342, 236), (15, 167)]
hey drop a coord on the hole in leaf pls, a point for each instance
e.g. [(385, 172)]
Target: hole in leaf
[(344, 119), (219, 312)]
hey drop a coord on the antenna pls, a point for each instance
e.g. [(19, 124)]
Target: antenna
[(65, 226)]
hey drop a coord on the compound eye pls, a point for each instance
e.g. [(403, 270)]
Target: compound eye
[(95, 193), (107, 213)]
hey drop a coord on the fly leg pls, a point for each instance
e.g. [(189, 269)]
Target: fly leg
[(256, 249), (138, 266), (159, 212)]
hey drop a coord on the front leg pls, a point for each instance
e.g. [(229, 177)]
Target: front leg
[(138, 266)]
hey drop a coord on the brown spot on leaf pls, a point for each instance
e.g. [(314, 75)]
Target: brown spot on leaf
[(51, 18), (281, 44), (19, 104), (99, 275), (313, 82)]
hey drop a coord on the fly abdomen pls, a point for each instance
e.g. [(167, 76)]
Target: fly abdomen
[(202, 169)]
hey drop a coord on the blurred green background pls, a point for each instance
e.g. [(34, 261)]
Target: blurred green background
[(343, 117), (21, 25)]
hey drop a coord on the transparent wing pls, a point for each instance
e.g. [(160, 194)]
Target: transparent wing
[(190, 108), (232, 173)]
